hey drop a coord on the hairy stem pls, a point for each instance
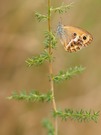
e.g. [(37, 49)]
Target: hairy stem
[(51, 69)]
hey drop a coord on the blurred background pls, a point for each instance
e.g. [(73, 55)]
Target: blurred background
[(21, 36)]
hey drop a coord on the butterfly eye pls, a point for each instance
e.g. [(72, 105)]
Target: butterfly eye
[(74, 34), (84, 37)]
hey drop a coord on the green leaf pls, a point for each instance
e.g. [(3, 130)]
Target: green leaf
[(63, 8), (77, 115), (50, 40), (64, 75), (48, 125), (41, 17), (31, 96), (40, 59)]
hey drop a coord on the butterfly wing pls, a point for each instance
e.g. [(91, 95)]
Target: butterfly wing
[(62, 34), (74, 38)]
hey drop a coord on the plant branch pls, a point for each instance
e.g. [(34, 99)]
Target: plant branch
[(65, 75), (33, 96), (77, 115), (40, 59), (49, 126), (62, 9), (41, 17), (50, 67)]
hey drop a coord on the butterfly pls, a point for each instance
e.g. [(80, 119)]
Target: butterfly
[(73, 38)]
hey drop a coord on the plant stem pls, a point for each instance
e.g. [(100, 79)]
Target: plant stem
[(51, 69)]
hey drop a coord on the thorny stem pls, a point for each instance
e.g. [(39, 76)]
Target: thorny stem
[(51, 69)]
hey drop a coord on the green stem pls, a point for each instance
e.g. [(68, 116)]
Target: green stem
[(51, 69)]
